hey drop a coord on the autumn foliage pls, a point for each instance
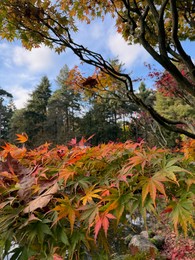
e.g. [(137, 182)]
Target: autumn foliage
[(66, 200)]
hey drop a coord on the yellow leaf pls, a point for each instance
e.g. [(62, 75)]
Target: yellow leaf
[(66, 209), (90, 194)]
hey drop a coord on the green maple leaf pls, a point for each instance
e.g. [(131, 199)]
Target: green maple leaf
[(181, 212)]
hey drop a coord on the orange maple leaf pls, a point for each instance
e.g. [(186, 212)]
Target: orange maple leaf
[(65, 174), (102, 221), (22, 138), (151, 186)]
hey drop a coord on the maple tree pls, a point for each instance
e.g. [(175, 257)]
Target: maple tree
[(64, 201), (159, 26)]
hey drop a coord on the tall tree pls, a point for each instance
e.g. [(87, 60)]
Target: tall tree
[(159, 26), (33, 117), (6, 110), (36, 111), (39, 98), (18, 124), (63, 111)]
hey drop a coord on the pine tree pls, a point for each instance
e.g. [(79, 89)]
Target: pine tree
[(36, 112), (63, 111), (6, 111), (32, 118)]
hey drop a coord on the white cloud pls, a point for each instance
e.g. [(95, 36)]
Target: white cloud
[(128, 54), (21, 95), (36, 60)]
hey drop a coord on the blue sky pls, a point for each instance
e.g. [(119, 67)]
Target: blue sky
[(21, 70)]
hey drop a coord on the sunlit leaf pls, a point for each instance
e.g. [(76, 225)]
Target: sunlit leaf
[(22, 138), (90, 194)]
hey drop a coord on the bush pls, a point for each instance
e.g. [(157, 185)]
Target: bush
[(60, 203)]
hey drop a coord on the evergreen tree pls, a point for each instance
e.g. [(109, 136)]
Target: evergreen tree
[(101, 120), (174, 107), (32, 118), (36, 112), (18, 124), (63, 111), (6, 110)]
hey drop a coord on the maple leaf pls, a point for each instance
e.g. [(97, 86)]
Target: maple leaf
[(102, 220), (169, 169), (65, 209), (42, 200), (116, 202), (83, 141), (8, 149), (65, 174), (138, 159), (13, 166), (90, 211), (144, 157), (181, 212), (22, 138), (90, 193), (151, 186), (75, 155), (72, 142)]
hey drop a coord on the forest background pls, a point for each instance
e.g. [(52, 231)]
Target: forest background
[(72, 112)]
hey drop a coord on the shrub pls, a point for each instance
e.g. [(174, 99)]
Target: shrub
[(61, 203)]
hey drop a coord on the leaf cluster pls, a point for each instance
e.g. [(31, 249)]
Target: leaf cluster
[(62, 202)]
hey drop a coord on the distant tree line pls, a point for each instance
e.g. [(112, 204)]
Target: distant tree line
[(57, 117)]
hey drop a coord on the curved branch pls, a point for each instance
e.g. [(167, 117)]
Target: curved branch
[(166, 123), (175, 20), (166, 63), (105, 66), (55, 37)]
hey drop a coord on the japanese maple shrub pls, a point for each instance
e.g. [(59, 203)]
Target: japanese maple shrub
[(61, 203)]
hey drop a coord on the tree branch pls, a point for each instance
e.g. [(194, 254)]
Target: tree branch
[(186, 58), (54, 36)]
